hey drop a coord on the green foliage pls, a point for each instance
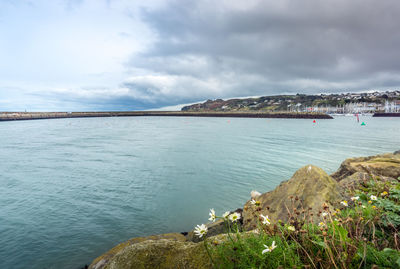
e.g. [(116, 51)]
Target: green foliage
[(361, 233), (247, 253), (368, 255)]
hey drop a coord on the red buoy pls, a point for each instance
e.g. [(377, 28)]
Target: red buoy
[(314, 121)]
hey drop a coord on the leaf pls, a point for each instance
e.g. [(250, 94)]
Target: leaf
[(389, 251), (319, 243)]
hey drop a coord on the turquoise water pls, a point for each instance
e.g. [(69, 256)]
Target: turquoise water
[(70, 189)]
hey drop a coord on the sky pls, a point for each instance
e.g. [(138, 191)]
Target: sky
[(93, 55)]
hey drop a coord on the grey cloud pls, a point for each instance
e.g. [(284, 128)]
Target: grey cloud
[(267, 47)]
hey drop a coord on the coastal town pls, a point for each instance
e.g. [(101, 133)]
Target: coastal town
[(344, 103)]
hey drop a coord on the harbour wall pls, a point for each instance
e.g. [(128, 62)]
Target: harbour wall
[(9, 116)]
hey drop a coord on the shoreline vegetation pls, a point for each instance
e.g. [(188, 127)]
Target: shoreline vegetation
[(349, 219), (10, 116)]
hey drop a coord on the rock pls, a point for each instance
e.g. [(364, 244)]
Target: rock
[(311, 184), (254, 194), (353, 181), (386, 165), (162, 253), (102, 261)]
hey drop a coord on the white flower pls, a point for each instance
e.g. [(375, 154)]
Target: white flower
[(374, 198), (265, 220), (254, 202), (254, 194), (291, 228), (212, 215), (355, 198), (234, 217), (269, 249), (321, 224), (324, 214), (344, 203), (363, 206), (200, 230), (226, 214)]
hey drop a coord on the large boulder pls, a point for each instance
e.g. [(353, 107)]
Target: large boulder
[(384, 165), (101, 261), (162, 253), (353, 182), (310, 184)]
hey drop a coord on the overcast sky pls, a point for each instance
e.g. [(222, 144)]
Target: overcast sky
[(71, 55)]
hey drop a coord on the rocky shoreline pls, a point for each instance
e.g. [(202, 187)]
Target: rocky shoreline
[(310, 184), (10, 116)]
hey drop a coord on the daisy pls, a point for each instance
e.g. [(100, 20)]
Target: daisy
[(321, 224), (269, 249), (212, 215), (254, 202), (234, 217), (374, 198), (200, 230), (344, 203), (265, 220), (324, 214), (225, 215), (355, 198)]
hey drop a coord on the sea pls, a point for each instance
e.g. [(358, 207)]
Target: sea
[(71, 189)]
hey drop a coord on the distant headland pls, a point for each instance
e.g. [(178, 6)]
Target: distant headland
[(344, 103)]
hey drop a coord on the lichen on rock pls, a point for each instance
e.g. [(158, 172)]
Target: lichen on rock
[(387, 165), (312, 185), (162, 253), (101, 261)]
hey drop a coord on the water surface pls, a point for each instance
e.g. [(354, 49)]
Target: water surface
[(70, 189)]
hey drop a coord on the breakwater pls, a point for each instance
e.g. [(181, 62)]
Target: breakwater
[(9, 116), (386, 115)]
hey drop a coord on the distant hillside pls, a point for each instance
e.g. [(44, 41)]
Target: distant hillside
[(346, 102)]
